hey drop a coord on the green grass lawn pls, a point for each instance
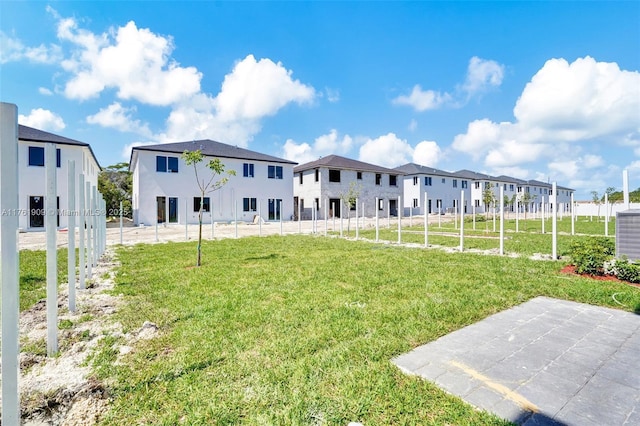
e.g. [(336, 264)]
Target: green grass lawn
[(33, 275), (527, 241), (301, 330)]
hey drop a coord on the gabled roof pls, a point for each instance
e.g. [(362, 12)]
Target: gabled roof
[(505, 178), (474, 175), (417, 169), (534, 182), (26, 133), (209, 148), (338, 162)]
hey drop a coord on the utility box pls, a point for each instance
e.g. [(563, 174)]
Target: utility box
[(628, 234)]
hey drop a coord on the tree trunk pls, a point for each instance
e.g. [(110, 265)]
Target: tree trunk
[(198, 262)]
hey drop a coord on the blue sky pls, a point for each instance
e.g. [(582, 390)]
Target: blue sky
[(534, 90)]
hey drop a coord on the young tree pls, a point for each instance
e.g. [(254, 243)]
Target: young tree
[(206, 186), (115, 183), (488, 197), (349, 199), (526, 199), (596, 201), (610, 198)]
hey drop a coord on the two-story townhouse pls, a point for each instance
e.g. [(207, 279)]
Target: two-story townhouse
[(322, 183), (443, 189), (165, 188), (479, 182), (544, 192), (32, 179)]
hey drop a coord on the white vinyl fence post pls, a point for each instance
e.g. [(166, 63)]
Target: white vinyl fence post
[(461, 220), (606, 214), (52, 263), (573, 216), (9, 263), (120, 222), (71, 234), (82, 264), (554, 224), (94, 201), (399, 213), (341, 217), (426, 220), (501, 221), (357, 220), (377, 219)]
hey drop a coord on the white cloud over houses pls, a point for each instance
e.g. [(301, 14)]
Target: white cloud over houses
[(391, 151), (423, 100), (13, 49), (564, 107), (133, 61), (330, 143), (481, 76), (137, 66), (42, 119), (118, 117)]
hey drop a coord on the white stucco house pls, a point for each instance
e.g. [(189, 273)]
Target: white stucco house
[(31, 174), (324, 181), (165, 190), (443, 189)]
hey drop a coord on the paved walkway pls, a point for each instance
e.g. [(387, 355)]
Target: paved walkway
[(545, 362)]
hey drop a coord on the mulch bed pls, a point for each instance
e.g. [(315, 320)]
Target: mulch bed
[(571, 270)]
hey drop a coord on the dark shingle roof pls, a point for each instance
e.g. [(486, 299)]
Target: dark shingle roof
[(474, 175), (417, 169), (212, 149), (27, 133), (338, 162)]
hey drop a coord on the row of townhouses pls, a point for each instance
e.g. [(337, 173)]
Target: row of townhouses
[(165, 189)]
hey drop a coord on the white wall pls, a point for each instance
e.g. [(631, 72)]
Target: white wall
[(438, 190), (149, 184), (325, 190), (32, 178), (591, 209)]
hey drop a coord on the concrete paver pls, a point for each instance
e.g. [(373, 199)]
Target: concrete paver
[(545, 362)]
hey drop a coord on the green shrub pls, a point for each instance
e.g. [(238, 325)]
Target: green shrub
[(627, 271), (590, 254)]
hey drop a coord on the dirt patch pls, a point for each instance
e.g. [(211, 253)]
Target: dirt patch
[(61, 390)]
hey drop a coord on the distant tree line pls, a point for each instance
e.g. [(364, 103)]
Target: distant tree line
[(115, 183)]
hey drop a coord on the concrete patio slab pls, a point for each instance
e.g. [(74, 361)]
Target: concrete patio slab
[(545, 362)]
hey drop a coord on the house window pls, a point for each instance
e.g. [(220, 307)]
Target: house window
[(206, 204), (551, 192), (166, 164), (477, 203), (415, 203), (487, 185), (465, 184), (380, 204), (275, 172), (317, 175), (527, 189), (359, 175), (36, 156), (444, 180), (511, 187), (300, 176), (393, 180), (248, 170), (317, 203), (415, 180), (249, 204), (378, 178), (519, 189), (477, 185), (334, 175), (427, 181), (505, 187), (455, 183), (545, 191)]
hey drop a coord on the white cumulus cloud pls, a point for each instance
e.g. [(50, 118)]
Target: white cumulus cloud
[(42, 119), (330, 143), (427, 153), (422, 100), (134, 61), (482, 74), (387, 151), (256, 89), (118, 117), (13, 49), (564, 105)]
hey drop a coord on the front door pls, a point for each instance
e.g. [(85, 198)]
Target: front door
[(334, 205), (36, 212), (393, 207), (161, 202), (274, 208), (173, 210)]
